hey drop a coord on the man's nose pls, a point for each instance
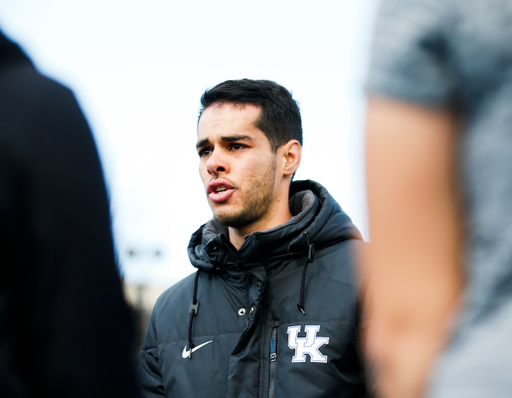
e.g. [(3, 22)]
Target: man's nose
[(216, 163)]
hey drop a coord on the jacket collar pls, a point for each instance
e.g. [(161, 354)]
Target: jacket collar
[(313, 209)]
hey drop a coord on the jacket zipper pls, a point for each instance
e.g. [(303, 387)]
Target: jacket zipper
[(274, 341)]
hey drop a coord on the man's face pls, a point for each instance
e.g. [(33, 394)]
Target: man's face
[(237, 165)]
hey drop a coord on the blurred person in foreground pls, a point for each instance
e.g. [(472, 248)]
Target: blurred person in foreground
[(439, 148), (65, 329), (272, 310)]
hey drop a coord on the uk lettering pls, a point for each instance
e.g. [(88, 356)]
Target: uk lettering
[(309, 345)]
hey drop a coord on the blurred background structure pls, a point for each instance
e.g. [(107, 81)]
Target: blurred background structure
[(138, 70)]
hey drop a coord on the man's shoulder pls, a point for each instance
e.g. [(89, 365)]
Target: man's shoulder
[(340, 260), (345, 249), (178, 295), (37, 110), (24, 85)]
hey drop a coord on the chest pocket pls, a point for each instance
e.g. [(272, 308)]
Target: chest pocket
[(317, 359)]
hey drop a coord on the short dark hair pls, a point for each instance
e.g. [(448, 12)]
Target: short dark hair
[(280, 116)]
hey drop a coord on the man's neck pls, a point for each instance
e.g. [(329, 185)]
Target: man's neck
[(237, 235)]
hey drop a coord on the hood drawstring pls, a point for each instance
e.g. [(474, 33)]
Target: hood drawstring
[(193, 310), (310, 259)]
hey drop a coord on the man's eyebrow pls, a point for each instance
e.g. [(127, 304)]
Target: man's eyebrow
[(202, 143), (228, 138), (232, 138)]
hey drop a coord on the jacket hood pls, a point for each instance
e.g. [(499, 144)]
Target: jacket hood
[(314, 210)]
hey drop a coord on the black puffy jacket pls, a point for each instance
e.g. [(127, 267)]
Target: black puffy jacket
[(277, 318)]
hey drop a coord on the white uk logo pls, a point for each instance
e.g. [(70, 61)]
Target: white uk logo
[(309, 345)]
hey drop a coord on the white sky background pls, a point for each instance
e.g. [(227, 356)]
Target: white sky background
[(139, 68)]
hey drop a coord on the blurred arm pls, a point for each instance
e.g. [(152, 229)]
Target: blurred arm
[(411, 269)]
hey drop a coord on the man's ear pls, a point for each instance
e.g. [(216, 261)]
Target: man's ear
[(290, 153)]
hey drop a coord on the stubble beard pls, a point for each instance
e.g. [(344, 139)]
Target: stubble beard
[(258, 198)]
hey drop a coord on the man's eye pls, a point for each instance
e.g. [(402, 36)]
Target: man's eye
[(204, 152), (237, 147)]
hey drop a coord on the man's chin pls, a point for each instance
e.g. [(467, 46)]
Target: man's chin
[(227, 221), (233, 220)]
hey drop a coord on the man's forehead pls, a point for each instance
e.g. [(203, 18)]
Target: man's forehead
[(228, 119), (230, 110)]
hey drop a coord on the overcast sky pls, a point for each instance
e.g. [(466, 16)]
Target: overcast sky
[(138, 69)]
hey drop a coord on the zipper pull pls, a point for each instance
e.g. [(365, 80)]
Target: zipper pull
[(273, 351)]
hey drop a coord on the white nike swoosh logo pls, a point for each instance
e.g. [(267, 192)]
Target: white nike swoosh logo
[(186, 353)]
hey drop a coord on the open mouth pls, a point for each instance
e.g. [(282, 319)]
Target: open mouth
[(219, 190)]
